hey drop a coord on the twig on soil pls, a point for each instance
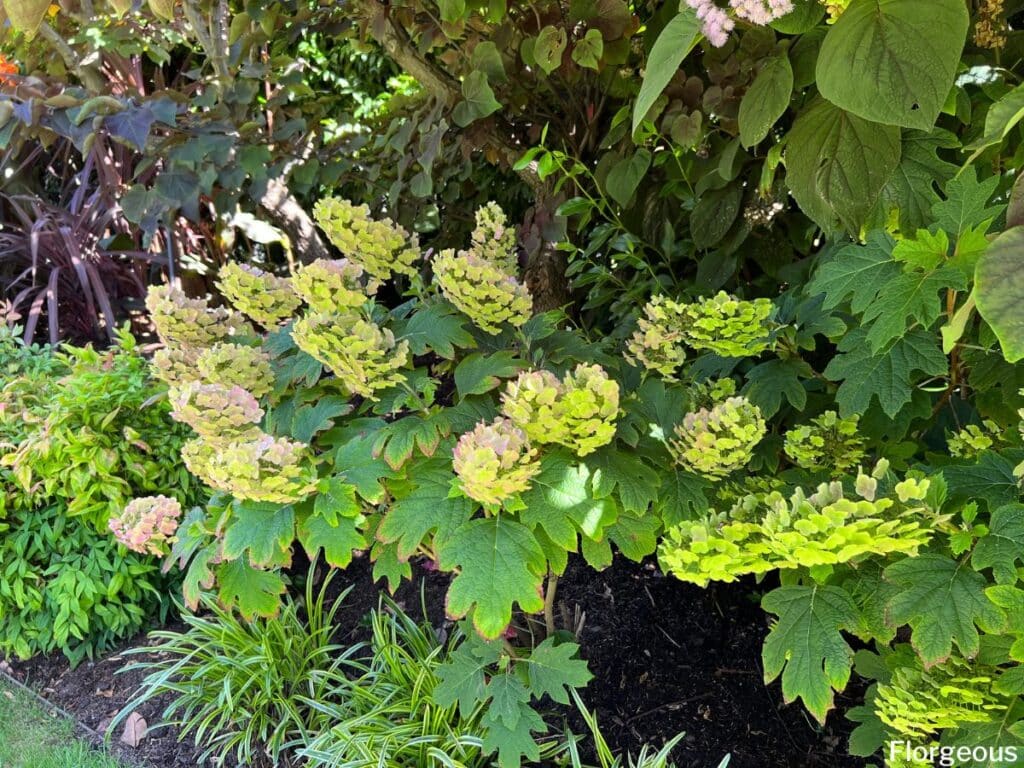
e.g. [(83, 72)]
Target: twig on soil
[(670, 705)]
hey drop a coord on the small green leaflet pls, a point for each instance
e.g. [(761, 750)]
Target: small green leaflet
[(263, 529), (1004, 731), (856, 271), (555, 669), (911, 190), (478, 373), (461, 677), (676, 40), (499, 564), (885, 376), (398, 439), (942, 601), (1003, 546), (509, 698), (636, 482), (438, 327), (422, 505), (966, 204), (388, 565), (357, 464), (770, 381), (636, 536), (806, 644), (766, 99), (252, 592), (560, 501), (512, 745), (909, 296), (310, 419), (338, 539), (336, 497)]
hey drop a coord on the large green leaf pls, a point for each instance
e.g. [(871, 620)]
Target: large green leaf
[(338, 539), (1003, 545), (806, 644), (26, 15), (944, 602), (966, 204), (837, 164), (636, 482), (554, 669), (766, 99), (264, 530), (676, 40), (912, 190), (855, 271), (912, 295), (626, 175), (499, 564), (251, 591), (893, 61), (560, 501), (886, 375), (999, 291)]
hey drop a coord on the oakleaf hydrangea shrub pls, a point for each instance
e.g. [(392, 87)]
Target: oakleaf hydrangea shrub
[(82, 432)]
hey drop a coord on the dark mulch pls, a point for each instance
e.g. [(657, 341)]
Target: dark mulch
[(666, 656)]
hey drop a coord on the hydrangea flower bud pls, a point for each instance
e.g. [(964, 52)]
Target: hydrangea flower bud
[(260, 469), (727, 326), (148, 524), (360, 353), (184, 322), (236, 365), (828, 442), (657, 343), (381, 247), (332, 285), (974, 439), (264, 297), (494, 462), (578, 412), (484, 291), (216, 411), (714, 442), (494, 239)]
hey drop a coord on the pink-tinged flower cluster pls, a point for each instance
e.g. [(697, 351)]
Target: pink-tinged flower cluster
[(147, 524), (716, 22), (761, 12)]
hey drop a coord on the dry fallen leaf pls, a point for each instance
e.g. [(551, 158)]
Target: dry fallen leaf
[(107, 694), (134, 730)]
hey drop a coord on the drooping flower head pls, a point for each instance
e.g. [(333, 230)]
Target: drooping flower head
[(828, 442), (727, 326), (266, 298), (263, 468), (483, 290), (381, 246), (494, 239), (657, 344), (333, 285), (216, 411), (184, 322), (363, 356), (236, 365), (714, 442), (147, 524), (578, 412), (494, 462)]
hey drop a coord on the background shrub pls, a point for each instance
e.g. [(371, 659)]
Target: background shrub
[(81, 432)]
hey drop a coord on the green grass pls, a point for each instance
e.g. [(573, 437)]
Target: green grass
[(31, 737)]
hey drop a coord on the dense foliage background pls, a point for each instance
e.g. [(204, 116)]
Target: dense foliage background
[(737, 284)]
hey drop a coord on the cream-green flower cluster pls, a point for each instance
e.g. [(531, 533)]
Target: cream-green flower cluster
[(381, 247), (657, 344), (727, 326), (182, 322), (494, 462), (175, 366), (714, 442), (216, 411), (363, 356), (578, 412), (483, 290), (494, 239), (236, 365), (828, 442), (147, 524), (266, 298), (974, 439), (333, 285), (765, 532), (261, 469)]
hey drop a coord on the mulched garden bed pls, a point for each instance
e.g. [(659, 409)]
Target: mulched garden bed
[(666, 656)]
